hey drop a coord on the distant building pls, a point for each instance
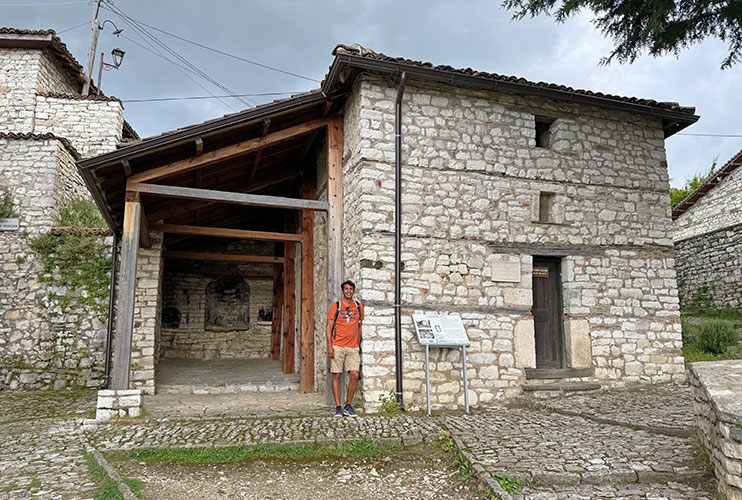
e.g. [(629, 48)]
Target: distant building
[(708, 239), (45, 126), (537, 212)]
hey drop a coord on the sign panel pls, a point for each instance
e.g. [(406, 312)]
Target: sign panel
[(506, 271), (440, 331), (9, 224), (540, 272)]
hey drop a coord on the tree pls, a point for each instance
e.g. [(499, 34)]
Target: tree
[(660, 26), (679, 194)]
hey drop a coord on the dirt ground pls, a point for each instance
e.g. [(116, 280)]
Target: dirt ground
[(410, 476)]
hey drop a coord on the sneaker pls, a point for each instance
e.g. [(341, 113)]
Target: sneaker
[(339, 412), (348, 411)]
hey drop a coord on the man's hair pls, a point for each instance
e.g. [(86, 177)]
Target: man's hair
[(342, 286)]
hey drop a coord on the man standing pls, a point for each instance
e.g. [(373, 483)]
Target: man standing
[(343, 345)]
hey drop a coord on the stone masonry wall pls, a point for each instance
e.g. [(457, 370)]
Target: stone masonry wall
[(710, 265), (147, 313), (195, 340), (472, 181), (19, 69), (717, 404), (53, 78), (708, 241), (40, 344)]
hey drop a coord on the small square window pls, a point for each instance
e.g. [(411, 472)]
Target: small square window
[(545, 207), (543, 132)]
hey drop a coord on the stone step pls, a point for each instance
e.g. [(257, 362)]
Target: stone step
[(557, 373), (560, 387), (269, 386)]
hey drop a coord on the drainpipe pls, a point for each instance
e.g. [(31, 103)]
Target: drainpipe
[(111, 298), (398, 238)]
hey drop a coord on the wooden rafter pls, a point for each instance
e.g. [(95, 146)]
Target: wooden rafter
[(221, 232), (259, 154), (229, 152), (255, 200), (222, 257)]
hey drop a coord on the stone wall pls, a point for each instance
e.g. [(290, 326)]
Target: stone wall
[(472, 182), (709, 267), (145, 342), (18, 84), (717, 395), (53, 78), (194, 339), (708, 241)]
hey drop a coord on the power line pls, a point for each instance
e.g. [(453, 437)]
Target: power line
[(160, 99), (154, 42), (229, 55), (710, 135), (73, 28)]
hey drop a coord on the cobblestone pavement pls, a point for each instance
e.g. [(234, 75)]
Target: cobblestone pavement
[(559, 452)]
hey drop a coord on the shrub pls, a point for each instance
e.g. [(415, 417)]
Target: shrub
[(6, 205), (714, 336)]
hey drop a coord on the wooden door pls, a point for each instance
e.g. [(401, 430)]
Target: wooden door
[(547, 312)]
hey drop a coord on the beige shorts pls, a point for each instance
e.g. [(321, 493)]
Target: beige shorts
[(345, 355)]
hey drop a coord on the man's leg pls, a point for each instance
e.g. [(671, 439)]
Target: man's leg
[(336, 387), (352, 385)]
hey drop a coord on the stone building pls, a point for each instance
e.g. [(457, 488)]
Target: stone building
[(537, 213), (708, 240), (45, 126)]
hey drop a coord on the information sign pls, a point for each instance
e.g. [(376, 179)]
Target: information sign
[(9, 224), (440, 330)]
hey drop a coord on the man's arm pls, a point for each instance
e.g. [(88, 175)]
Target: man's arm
[(328, 334)]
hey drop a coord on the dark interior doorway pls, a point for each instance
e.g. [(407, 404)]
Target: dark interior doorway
[(547, 312)]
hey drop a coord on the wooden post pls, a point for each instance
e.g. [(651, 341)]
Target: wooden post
[(126, 292), (334, 219), (307, 290), (277, 312), (289, 279)]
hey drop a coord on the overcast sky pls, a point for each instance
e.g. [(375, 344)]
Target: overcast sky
[(298, 37)]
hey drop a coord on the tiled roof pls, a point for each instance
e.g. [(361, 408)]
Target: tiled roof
[(78, 97), (91, 231), (358, 50), (48, 135), (733, 164)]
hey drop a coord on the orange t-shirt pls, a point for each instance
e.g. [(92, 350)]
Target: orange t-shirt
[(346, 326)]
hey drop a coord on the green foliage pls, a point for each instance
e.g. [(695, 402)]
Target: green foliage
[(509, 484), (76, 259), (107, 487), (679, 194), (446, 442), (464, 470), (659, 26), (389, 404), (713, 336), (6, 205), (355, 450)]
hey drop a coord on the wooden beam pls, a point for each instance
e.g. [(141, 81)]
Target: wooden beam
[(186, 207), (259, 154), (255, 200), (126, 295), (334, 217), (145, 241), (127, 167), (199, 146), (306, 379), (222, 257), (289, 322), (221, 232), (276, 322), (230, 152)]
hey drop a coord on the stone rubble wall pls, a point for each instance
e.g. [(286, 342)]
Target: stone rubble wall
[(92, 127), (53, 78), (717, 394), (708, 241), (711, 265), (719, 208), (193, 340), (472, 177), (18, 87)]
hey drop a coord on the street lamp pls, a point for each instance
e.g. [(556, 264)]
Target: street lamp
[(118, 58)]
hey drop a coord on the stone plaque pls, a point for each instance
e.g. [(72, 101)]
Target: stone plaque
[(506, 271), (9, 224), (540, 272)]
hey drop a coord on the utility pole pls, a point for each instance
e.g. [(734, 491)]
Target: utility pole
[(91, 52)]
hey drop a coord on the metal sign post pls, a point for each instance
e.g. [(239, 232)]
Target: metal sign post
[(442, 331)]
